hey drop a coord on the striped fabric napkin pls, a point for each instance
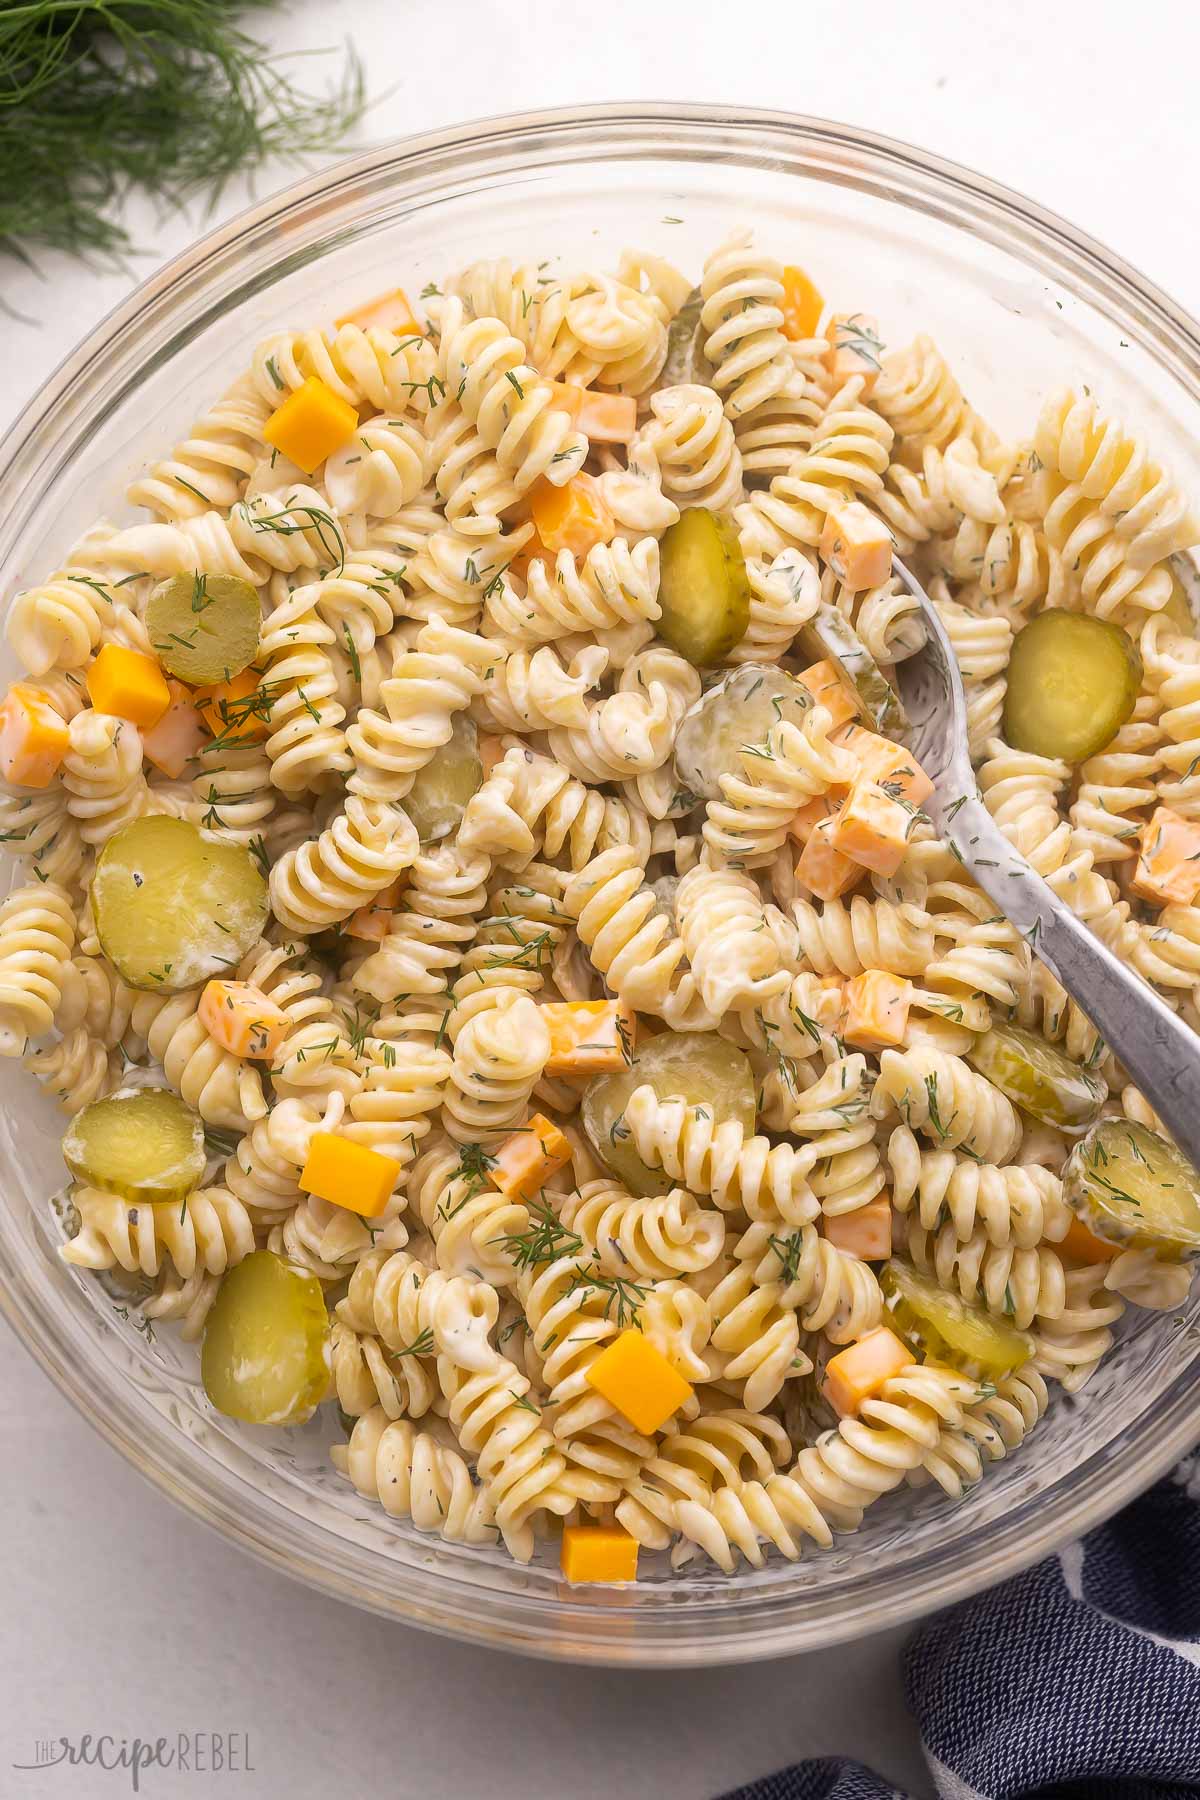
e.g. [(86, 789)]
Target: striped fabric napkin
[(1078, 1680)]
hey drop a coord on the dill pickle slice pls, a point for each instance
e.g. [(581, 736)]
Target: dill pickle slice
[(438, 796), (1037, 1076), (945, 1328), (141, 1143), (1133, 1188), (828, 637), (703, 587), (173, 906), (686, 361), (1073, 680), (697, 1066), (204, 628), (265, 1357), (740, 709)]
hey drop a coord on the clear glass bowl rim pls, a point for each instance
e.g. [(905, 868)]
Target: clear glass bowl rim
[(692, 1631)]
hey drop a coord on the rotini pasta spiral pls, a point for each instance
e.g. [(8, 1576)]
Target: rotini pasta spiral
[(328, 878), (76, 1070), (427, 687), (1014, 1283), (794, 764), (734, 960), (848, 937), (1020, 1205), (845, 461), (658, 1237), (306, 744), (209, 1230), (37, 935), (432, 927), (940, 1095), (470, 1222), (766, 1181), (212, 465), (414, 1475), (716, 1450), (382, 468), (694, 445), (420, 1312), (631, 943), (742, 315), (499, 1054), (1117, 787), (38, 828), (225, 1091), (1069, 1348), (614, 585), (103, 776)]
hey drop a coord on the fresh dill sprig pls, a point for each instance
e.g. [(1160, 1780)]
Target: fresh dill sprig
[(168, 95)]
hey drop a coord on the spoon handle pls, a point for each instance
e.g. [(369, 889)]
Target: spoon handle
[(1152, 1043)]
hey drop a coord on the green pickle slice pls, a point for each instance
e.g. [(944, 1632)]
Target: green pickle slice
[(947, 1329), (686, 361), (1037, 1076), (703, 587), (828, 637), (697, 1066), (1073, 680), (265, 1357), (204, 628), (739, 710), (439, 794), (174, 907), (142, 1143), (1133, 1188)]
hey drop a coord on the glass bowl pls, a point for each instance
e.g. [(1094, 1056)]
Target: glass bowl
[(1021, 303)]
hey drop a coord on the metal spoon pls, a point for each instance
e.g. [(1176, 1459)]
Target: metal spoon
[(1161, 1053)]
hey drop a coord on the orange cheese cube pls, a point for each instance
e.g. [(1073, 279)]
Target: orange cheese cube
[(809, 815), (866, 1232), (859, 1372), (491, 751), (373, 921), (128, 685), (33, 737), (311, 424), (524, 1162), (875, 1015), (638, 1381), (871, 828), (896, 770), (589, 1037), (574, 517), (603, 418), (855, 348), (179, 735), (239, 1017), (237, 711), (803, 305), (598, 1553), (822, 869), (830, 690), (1083, 1246), (1167, 871), (857, 546), (387, 312), (348, 1174)]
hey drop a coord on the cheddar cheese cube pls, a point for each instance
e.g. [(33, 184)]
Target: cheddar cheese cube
[(311, 424), (875, 1010), (491, 751), (857, 546), (859, 1372), (1167, 871), (129, 685), (598, 1553), (387, 312), (33, 737), (810, 815), (639, 1382), (589, 1037), (524, 1162), (871, 828), (348, 1174), (822, 869), (373, 921), (179, 735), (802, 304), (866, 1232), (237, 711), (896, 770), (855, 348), (830, 690), (241, 1019), (1083, 1246), (573, 517), (603, 418)]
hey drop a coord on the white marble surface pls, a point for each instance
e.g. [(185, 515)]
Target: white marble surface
[(119, 1614)]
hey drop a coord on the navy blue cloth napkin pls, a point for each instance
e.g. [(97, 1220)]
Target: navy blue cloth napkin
[(1078, 1680)]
